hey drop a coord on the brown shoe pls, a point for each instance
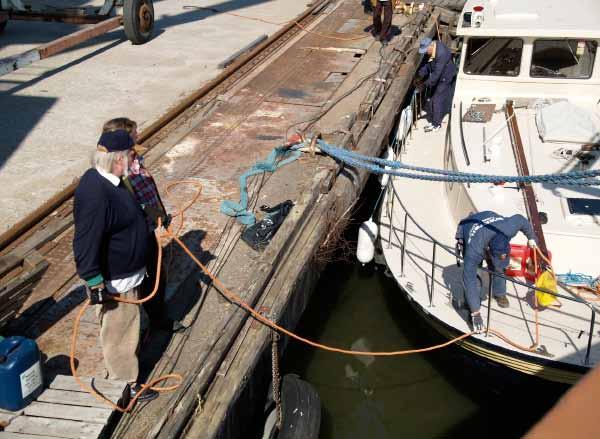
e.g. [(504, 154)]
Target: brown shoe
[(502, 301)]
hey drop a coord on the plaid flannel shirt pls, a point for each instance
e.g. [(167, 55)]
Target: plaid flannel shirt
[(145, 190)]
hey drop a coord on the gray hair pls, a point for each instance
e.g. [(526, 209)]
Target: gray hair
[(104, 160)]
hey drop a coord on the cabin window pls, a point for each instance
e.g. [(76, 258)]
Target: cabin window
[(493, 56), (583, 206), (571, 59)]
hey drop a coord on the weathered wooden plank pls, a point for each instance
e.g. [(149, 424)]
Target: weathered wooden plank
[(55, 427), (51, 231), (14, 293), (172, 422), (13, 287), (7, 416), (72, 398), (93, 415), (106, 387), (226, 391), (13, 435)]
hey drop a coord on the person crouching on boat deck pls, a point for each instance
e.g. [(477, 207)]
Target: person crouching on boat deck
[(486, 235), (381, 30), (439, 74), (110, 247)]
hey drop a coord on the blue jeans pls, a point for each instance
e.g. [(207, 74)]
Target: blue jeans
[(471, 284)]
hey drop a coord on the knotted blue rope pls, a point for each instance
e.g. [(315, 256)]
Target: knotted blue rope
[(279, 157), (382, 166), (576, 279)]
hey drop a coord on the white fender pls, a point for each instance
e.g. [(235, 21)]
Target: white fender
[(365, 248), (389, 155)]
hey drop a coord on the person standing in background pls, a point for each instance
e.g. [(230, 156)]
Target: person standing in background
[(381, 30)]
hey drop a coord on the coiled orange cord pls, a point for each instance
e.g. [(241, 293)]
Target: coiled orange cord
[(152, 384), (233, 297)]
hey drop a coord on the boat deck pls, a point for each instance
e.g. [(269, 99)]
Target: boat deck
[(566, 234), (563, 332)]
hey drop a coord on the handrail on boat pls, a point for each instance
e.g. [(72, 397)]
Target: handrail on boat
[(491, 273)]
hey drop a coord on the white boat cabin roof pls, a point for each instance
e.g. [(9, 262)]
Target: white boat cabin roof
[(533, 18)]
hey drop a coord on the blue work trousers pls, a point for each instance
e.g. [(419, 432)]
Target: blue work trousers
[(440, 102), (471, 284)]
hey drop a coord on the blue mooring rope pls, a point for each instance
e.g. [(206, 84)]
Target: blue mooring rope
[(377, 165), (279, 157)]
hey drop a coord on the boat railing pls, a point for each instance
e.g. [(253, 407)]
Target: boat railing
[(393, 198)]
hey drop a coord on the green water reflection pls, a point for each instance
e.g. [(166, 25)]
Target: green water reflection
[(416, 396)]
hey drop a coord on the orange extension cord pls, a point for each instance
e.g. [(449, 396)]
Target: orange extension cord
[(283, 23), (233, 297)]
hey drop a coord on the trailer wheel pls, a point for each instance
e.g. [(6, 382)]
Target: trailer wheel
[(138, 20)]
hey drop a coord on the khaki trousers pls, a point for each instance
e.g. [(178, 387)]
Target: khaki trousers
[(120, 337)]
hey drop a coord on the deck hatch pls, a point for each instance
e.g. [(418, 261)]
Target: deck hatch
[(583, 206)]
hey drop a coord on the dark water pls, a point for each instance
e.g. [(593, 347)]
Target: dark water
[(441, 394)]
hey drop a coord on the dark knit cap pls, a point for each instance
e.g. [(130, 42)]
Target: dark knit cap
[(118, 140)]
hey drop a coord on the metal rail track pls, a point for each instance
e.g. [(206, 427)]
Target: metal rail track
[(47, 232), (160, 129)]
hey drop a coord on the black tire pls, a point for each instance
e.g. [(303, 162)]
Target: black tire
[(138, 20), (301, 409), (3, 25)]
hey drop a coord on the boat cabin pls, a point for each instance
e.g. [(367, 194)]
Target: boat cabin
[(542, 57)]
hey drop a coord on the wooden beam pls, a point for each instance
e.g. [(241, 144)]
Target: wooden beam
[(41, 237), (523, 170), (12, 63)]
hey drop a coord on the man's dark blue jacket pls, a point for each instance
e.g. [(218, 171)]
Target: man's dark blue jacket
[(441, 69), (111, 233), (477, 231)]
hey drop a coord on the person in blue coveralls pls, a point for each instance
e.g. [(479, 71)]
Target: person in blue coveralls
[(486, 235), (438, 73)]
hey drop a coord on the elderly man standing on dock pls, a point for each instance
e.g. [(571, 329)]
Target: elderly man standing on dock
[(439, 74), (110, 248)]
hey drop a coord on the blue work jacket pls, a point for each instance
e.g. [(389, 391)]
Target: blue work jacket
[(441, 68), (479, 229)]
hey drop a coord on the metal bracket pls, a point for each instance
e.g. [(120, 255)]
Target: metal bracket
[(263, 311)]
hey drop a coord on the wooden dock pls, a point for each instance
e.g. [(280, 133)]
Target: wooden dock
[(63, 410), (347, 87)]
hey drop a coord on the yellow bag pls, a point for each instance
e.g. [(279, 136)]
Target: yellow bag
[(547, 281)]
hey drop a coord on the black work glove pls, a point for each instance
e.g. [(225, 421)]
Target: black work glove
[(477, 322), (99, 295), (166, 220)]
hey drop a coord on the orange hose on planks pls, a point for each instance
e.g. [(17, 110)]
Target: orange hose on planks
[(152, 384), (233, 297)]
